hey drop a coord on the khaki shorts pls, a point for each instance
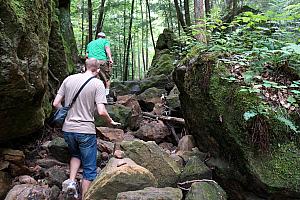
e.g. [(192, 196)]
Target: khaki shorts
[(105, 70)]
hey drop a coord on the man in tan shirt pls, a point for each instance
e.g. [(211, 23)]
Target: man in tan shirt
[(79, 128)]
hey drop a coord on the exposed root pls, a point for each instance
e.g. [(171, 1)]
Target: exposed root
[(260, 133)]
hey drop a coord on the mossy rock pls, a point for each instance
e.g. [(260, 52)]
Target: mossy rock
[(150, 156), (24, 63), (205, 191), (213, 108), (162, 65), (118, 113), (195, 169)]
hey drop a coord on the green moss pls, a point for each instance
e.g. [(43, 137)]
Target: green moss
[(19, 9), (216, 106), (162, 65), (281, 168)]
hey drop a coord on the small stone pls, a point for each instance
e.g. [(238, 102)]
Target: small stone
[(25, 179)]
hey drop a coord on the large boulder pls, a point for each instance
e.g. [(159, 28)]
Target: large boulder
[(152, 131), (163, 59), (63, 53), (24, 33), (214, 108), (150, 156), (151, 193), (120, 175), (25, 30)]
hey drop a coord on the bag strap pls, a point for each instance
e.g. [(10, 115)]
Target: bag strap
[(75, 97)]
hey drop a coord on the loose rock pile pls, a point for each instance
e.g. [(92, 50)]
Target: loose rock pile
[(142, 159)]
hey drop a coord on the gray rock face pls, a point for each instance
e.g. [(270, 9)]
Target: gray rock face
[(151, 193), (25, 28), (24, 33), (206, 191), (120, 175), (152, 157)]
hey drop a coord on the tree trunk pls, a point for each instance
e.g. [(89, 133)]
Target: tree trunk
[(147, 43), (82, 27), (100, 18), (90, 16), (234, 6), (179, 15), (143, 52), (150, 23), (170, 15), (132, 58), (199, 16), (207, 7), (124, 40), (139, 57), (125, 78), (187, 13)]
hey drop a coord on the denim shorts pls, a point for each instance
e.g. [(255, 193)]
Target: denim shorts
[(84, 147)]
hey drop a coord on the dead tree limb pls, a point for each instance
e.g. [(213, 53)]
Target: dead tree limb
[(173, 132), (165, 118)]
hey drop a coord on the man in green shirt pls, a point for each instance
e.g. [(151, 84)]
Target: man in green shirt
[(100, 49)]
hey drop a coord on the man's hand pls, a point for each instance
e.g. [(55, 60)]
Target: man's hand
[(115, 123)]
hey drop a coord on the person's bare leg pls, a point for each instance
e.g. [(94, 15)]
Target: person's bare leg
[(74, 166), (85, 186)]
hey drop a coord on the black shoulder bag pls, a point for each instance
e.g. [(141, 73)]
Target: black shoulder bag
[(60, 115)]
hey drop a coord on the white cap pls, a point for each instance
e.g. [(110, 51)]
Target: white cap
[(101, 34)]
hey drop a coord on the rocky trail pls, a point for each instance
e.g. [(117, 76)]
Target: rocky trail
[(151, 156)]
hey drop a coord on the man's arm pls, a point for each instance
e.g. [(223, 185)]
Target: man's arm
[(57, 101), (108, 53), (103, 113)]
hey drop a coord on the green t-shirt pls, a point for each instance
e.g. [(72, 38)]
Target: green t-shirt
[(96, 49)]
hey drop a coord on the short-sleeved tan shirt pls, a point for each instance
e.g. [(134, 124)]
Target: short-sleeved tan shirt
[(80, 118)]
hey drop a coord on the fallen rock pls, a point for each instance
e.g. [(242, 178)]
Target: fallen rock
[(58, 148), (105, 146), (128, 136), (5, 184), (150, 156), (25, 179), (205, 191), (152, 131), (152, 193), (195, 169), (150, 97), (118, 113), (54, 193), (48, 163), (56, 175), (167, 146), (131, 102), (18, 169), (14, 156), (110, 134), (28, 191), (120, 175)]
